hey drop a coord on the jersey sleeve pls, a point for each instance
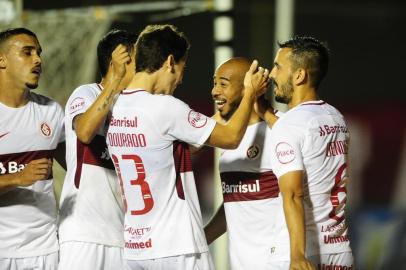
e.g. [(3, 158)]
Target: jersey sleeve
[(80, 100), (185, 124), (286, 145)]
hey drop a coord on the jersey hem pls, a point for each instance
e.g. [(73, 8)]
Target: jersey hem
[(26, 254), (158, 256), (92, 241)]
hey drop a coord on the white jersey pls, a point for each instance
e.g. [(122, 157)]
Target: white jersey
[(28, 214), (252, 203), (91, 204), (313, 137), (146, 141)]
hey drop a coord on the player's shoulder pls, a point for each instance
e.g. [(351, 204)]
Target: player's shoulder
[(44, 101), (168, 104), (169, 99), (85, 90)]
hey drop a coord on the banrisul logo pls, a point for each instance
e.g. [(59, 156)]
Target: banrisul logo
[(11, 167)]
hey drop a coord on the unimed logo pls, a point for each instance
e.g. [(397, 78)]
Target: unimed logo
[(285, 152)]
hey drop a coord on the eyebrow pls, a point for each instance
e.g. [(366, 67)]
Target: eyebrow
[(222, 78), (32, 48)]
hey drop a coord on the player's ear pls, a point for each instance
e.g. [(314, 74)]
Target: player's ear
[(300, 76), (170, 63), (3, 61)]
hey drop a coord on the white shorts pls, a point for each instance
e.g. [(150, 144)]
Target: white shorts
[(45, 262), (197, 261), (84, 256), (336, 261)]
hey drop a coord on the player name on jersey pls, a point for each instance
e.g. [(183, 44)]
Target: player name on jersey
[(247, 186)]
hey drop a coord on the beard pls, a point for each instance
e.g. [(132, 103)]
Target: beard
[(286, 92), (232, 108), (31, 85)]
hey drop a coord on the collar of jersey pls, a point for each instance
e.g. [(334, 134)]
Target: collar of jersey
[(313, 102), (132, 91)]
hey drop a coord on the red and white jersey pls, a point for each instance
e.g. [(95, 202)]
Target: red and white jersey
[(252, 203), (28, 214), (91, 204), (147, 139), (313, 137)]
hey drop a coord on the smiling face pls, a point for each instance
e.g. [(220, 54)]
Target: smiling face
[(281, 76), (21, 59), (228, 86)]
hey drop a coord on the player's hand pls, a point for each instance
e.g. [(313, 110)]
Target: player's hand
[(256, 79), (35, 170), (301, 264), (119, 58)]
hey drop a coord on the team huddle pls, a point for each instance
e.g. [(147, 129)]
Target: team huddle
[(129, 199)]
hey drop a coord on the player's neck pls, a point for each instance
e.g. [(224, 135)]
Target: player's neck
[(303, 94), (12, 96), (143, 80)]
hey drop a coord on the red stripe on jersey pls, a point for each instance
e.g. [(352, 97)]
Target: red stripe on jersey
[(183, 163), (94, 153), (15, 162), (249, 186), (321, 102)]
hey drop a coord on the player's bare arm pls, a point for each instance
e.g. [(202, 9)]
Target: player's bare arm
[(290, 185), (217, 226), (264, 110), (229, 135), (87, 124), (35, 170), (59, 154)]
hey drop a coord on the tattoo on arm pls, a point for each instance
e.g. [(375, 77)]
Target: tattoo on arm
[(106, 102)]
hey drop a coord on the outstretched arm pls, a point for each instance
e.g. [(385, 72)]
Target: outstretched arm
[(88, 123), (291, 188)]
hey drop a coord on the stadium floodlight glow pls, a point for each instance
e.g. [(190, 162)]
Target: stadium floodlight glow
[(7, 11)]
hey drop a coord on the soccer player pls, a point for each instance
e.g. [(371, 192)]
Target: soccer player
[(31, 135), (91, 215), (309, 147), (148, 140), (250, 188)]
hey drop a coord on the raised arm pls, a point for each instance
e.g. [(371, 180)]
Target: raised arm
[(264, 109), (229, 135), (291, 188), (88, 123)]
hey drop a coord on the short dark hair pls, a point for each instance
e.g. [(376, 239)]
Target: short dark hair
[(155, 43), (311, 54), (107, 45), (8, 33)]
